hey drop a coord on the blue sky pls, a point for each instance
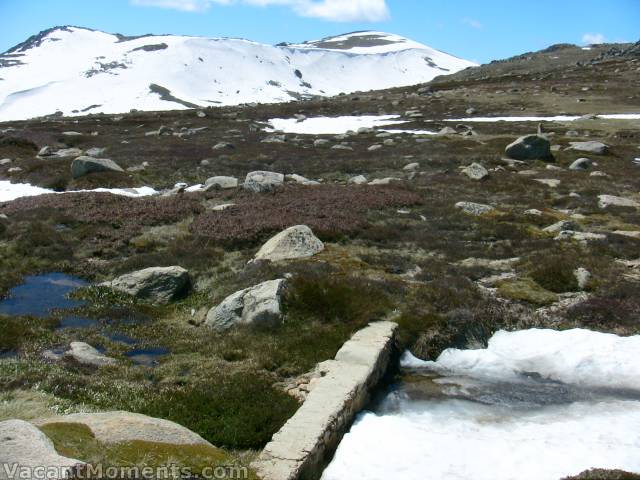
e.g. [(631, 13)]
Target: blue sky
[(479, 30)]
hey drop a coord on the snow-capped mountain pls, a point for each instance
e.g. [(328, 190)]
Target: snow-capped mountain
[(78, 71)]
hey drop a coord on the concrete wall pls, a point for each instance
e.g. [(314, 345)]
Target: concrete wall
[(302, 448)]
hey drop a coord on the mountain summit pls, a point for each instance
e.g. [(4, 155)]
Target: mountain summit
[(78, 71)]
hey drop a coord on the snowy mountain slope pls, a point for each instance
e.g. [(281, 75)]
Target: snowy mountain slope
[(77, 71)]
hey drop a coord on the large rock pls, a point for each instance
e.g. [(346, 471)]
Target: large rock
[(597, 148), (261, 181), (259, 305), (605, 201), (157, 284), (23, 447), (530, 147), (294, 242), (221, 182), (82, 166), (85, 354), (121, 427)]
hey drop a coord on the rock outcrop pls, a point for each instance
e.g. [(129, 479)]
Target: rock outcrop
[(24, 447), (120, 427)]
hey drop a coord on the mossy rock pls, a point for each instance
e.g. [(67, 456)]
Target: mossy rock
[(76, 440), (526, 290)]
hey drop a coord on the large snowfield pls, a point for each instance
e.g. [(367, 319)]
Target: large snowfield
[(456, 436), (78, 71)]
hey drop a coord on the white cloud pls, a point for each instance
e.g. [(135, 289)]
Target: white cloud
[(473, 23), (593, 38), (332, 10)]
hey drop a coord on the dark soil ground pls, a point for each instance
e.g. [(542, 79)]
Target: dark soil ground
[(393, 252)]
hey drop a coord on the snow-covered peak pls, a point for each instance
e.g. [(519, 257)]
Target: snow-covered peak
[(367, 42), (77, 70)]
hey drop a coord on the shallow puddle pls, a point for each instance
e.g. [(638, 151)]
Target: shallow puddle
[(148, 357), (39, 295)]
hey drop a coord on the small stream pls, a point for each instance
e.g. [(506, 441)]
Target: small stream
[(535, 405)]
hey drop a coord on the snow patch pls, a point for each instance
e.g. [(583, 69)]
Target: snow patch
[(463, 440), (331, 125), (557, 118), (12, 191), (575, 356)]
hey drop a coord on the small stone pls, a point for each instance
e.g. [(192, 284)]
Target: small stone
[(384, 181), (300, 179), (475, 171), (321, 142), (476, 209), (447, 131), (597, 148), (411, 167), (562, 225), (5, 161), (582, 237), (375, 147), (581, 164), (534, 211), (96, 152), (85, 354), (549, 182), (583, 277), (223, 207), (358, 180), (605, 201), (221, 182), (223, 146)]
